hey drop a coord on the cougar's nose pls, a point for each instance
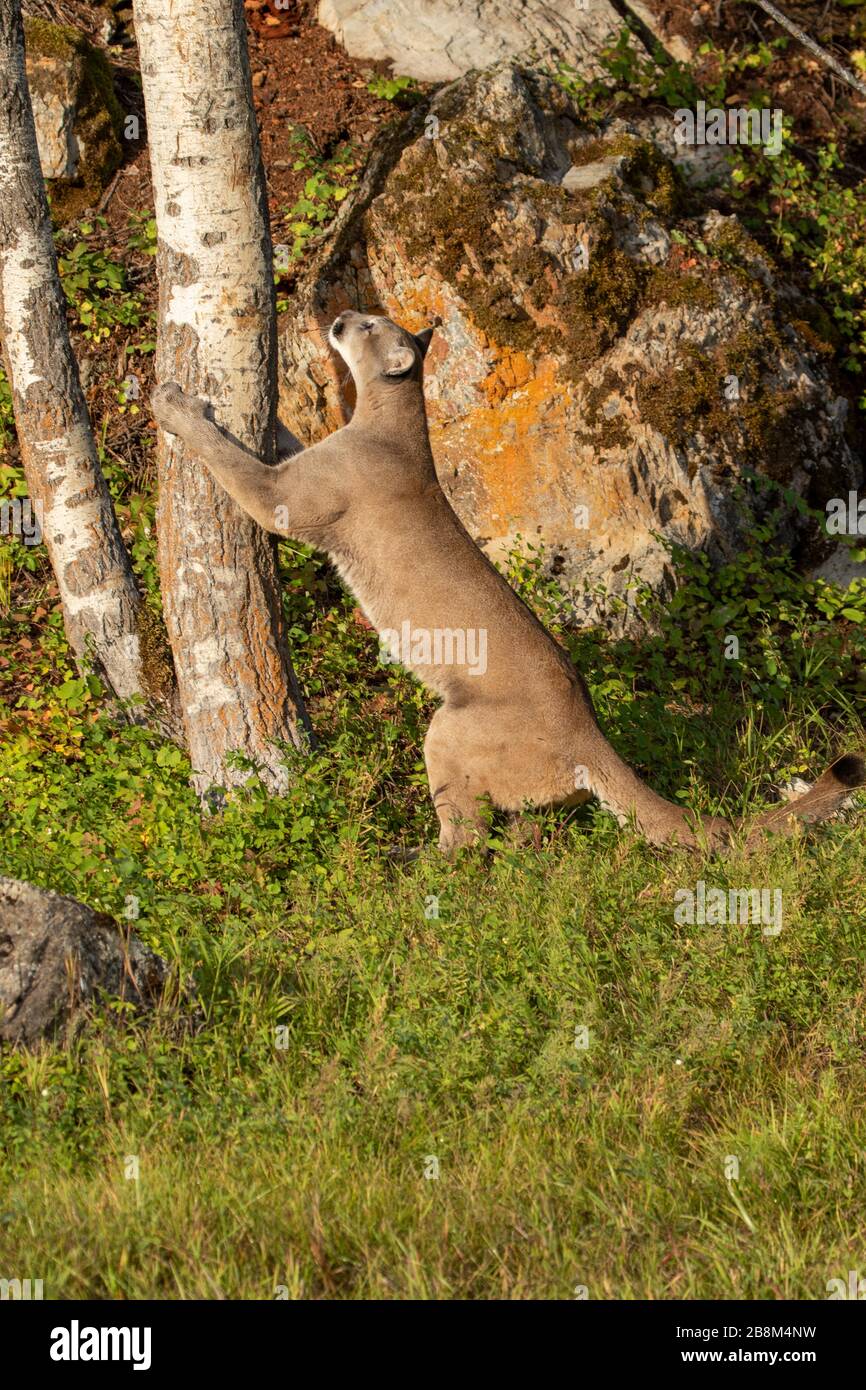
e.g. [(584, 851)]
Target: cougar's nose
[(337, 326)]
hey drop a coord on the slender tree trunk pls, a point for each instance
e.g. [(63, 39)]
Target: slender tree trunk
[(217, 338), (97, 589)]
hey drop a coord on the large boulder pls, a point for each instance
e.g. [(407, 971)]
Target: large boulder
[(439, 40), (614, 358), (57, 956), (77, 115)]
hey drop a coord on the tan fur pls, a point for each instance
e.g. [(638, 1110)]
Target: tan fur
[(520, 733)]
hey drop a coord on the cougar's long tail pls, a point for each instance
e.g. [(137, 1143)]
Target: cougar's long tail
[(621, 791), (830, 792)]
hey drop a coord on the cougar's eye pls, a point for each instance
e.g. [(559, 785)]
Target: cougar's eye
[(368, 326)]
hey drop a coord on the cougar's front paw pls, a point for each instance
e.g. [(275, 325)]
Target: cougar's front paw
[(173, 410)]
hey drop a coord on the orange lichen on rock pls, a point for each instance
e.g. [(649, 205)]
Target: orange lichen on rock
[(512, 370), (512, 444)]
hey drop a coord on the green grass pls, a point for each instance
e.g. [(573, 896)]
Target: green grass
[(408, 1037)]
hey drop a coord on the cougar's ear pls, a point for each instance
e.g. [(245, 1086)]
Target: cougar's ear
[(423, 341), (398, 361)]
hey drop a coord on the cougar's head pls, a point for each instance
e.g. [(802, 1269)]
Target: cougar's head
[(375, 349)]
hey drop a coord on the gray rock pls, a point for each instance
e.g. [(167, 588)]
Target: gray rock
[(54, 113), (677, 47), (840, 569), (579, 179), (57, 956), (700, 166), (75, 110), (438, 40), (614, 360)]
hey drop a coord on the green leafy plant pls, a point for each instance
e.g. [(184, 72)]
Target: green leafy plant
[(5, 579), (97, 289), (818, 218), (16, 556), (329, 182), (627, 73), (392, 88), (143, 235), (7, 419)]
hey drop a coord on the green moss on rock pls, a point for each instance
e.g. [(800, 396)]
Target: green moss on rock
[(98, 122), (644, 170), (676, 287), (690, 399), (597, 304)]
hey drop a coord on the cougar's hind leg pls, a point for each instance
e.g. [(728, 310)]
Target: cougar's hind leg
[(457, 785)]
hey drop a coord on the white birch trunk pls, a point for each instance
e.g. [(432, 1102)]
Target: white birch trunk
[(217, 338), (94, 577)]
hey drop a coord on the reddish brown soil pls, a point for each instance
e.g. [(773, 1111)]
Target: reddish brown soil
[(303, 79)]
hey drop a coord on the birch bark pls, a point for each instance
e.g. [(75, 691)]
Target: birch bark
[(94, 577), (217, 339)]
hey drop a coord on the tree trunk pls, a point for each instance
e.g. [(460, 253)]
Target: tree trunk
[(97, 589), (216, 338)]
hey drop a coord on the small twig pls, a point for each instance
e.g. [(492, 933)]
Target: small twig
[(826, 58), (108, 194)]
